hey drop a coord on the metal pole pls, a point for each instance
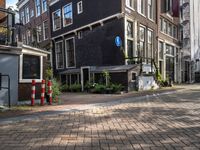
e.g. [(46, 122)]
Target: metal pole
[(13, 30), (9, 103)]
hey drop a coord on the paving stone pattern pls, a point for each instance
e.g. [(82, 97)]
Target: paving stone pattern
[(162, 122)]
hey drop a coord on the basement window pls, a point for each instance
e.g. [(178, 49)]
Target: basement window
[(133, 76)]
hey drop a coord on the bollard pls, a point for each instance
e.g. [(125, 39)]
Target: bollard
[(33, 93), (42, 92), (50, 92)]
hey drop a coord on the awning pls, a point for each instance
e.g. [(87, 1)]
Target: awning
[(100, 69)]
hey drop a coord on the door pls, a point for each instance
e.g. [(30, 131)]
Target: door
[(85, 76), (170, 68)]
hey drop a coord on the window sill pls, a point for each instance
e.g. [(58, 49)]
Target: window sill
[(67, 25), (142, 14), (130, 8), (71, 67), (29, 80), (151, 20), (169, 35), (56, 29)]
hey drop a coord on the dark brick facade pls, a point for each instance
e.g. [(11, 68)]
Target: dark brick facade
[(97, 47), (93, 10)]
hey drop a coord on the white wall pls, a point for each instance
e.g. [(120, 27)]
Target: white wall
[(9, 66), (195, 29), (146, 83)]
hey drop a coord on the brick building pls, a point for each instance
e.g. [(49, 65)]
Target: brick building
[(169, 40), (34, 18), (84, 34), (2, 5)]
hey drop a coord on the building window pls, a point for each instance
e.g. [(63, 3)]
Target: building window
[(161, 24), (168, 5), (59, 55), (56, 20), (134, 76), (27, 15), (80, 34), (44, 5), (38, 7), (130, 39), (39, 33), (31, 67), (170, 30), (142, 41), (24, 38), (164, 28), (67, 15), (32, 13), (70, 52), (80, 7), (45, 29), (170, 50), (130, 4), (161, 50), (141, 6), (175, 32), (28, 37), (150, 10), (23, 17), (150, 44)]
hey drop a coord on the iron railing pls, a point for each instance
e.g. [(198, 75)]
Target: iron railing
[(6, 87)]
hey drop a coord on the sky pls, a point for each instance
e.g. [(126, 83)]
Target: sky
[(11, 3)]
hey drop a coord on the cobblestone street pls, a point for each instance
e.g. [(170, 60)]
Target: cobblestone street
[(160, 122)]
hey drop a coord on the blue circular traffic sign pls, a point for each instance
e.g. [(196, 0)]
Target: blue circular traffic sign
[(118, 41)]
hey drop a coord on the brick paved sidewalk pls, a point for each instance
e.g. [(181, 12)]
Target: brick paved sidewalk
[(70, 100), (159, 122)]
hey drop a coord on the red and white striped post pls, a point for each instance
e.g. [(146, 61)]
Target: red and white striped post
[(50, 91), (42, 92), (33, 93)]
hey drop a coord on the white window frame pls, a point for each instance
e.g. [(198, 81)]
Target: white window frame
[(28, 36), (80, 34), (44, 10), (129, 38), (139, 7), (36, 6), (74, 53), (78, 8), (61, 41), (152, 10), (143, 40), (54, 22), (132, 76), (63, 13), (149, 30), (22, 17), (38, 39), (32, 13), (44, 29), (21, 80), (131, 7), (27, 14)]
